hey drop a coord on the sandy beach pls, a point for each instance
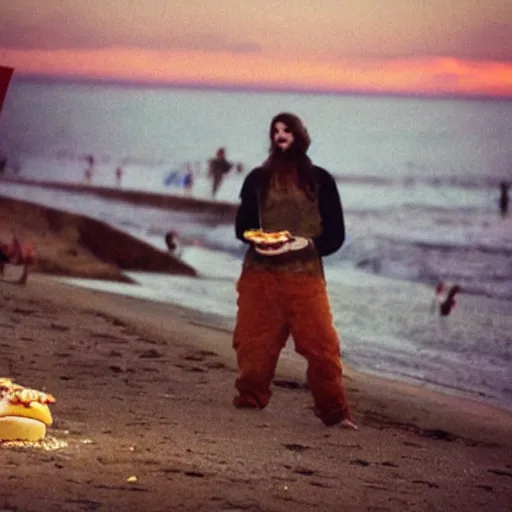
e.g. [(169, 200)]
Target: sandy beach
[(145, 420)]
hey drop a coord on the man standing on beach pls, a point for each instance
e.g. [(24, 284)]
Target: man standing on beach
[(282, 291)]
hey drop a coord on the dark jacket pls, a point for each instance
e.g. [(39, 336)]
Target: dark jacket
[(329, 204)]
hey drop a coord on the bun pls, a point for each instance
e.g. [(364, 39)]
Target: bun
[(14, 428), (24, 412)]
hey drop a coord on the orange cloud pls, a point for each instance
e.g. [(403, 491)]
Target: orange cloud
[(424, 76)]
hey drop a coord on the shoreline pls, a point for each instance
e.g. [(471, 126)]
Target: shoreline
[(144, 408)]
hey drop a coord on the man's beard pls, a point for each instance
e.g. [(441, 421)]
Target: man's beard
[(288, 154)]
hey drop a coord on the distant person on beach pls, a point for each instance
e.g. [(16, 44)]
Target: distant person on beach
[(88, 172), (218, 167), (504, 200), (17, 253), (282, 288)]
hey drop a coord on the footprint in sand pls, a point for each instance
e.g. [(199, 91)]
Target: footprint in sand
[(360, 462), (201, 356), (58, 327), (25, 312), (289, 384), (294, 447), (389, 464), (198, 355), (430, 485), (88, 504), (500, 472), (150, 354), (319, 484), (186, 368), (437, 433), (304, 471), (106, 336)]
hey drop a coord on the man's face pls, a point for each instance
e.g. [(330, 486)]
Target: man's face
[(282, 136)]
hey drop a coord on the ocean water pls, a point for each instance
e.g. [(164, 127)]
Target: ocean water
[(418, 181)]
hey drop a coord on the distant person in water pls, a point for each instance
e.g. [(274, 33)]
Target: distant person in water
[(444, 300), (88, 172), (218, 167), (172, 242), (188, 179), (119, 176), (504, 200), (16, 253)]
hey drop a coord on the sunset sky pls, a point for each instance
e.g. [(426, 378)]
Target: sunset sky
[(400, 46)]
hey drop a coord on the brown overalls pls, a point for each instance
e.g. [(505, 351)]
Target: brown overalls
[(283, 295)]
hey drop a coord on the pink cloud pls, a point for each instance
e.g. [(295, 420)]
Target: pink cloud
[(427, 76)]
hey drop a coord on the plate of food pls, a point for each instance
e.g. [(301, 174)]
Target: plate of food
[(270, 243)]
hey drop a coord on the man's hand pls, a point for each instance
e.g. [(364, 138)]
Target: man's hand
[(296, 244), (268, 251)]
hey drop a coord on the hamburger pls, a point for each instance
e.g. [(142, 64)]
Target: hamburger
[(24, 412), (268, 241)]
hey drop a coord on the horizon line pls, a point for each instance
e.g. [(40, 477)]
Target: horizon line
[(234, 87)]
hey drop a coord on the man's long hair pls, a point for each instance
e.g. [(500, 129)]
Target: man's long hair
[(292, 164)]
